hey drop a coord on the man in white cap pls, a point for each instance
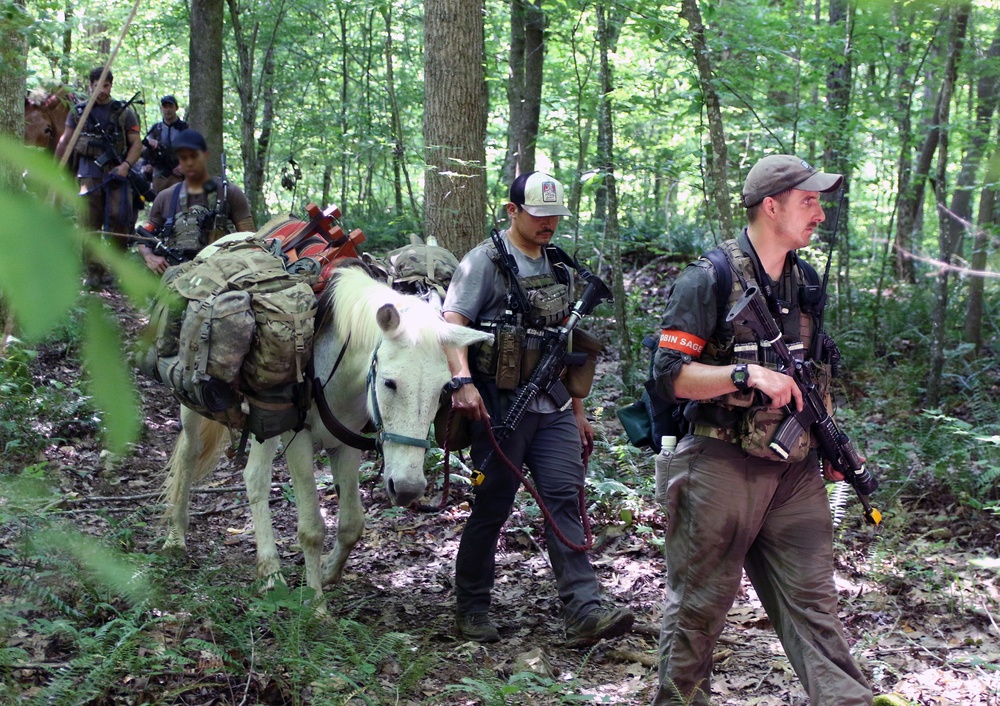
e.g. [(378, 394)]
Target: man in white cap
[(517, 304), (732, 503)]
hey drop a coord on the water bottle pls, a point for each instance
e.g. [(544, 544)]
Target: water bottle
[(667, 446)]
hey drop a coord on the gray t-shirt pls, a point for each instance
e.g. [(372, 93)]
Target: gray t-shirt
[(478, 292)]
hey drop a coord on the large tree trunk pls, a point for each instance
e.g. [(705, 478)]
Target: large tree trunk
[(939, 330), (65, 61), (454, 123), (205, 52), (718, 175), (987, 96), (13, 77), (607, 38), (524, 88)]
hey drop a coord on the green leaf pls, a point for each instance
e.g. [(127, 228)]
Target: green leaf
[(40, 170), (110, 383), (40, 264), (134, 278)]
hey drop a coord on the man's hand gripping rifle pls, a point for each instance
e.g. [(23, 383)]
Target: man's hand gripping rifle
[(545, 377), (145, 235), (835, 446), (135, 179)]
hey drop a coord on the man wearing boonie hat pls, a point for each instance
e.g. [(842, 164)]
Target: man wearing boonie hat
[(158, 146), (553, 433), (198, 211), (732, 503)]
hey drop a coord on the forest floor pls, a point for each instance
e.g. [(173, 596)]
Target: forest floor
[(920, 617)]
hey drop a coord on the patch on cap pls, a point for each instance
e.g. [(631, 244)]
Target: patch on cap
[(549, 194)]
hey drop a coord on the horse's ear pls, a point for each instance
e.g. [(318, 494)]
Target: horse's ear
[(457, 336), (387, 318)]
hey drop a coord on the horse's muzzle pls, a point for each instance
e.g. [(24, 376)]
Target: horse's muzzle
[(404, 491)]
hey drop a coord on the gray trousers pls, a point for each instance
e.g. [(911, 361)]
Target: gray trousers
[(550, 446), (727, 512)]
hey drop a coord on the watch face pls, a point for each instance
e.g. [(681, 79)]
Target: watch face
[(740, 376)]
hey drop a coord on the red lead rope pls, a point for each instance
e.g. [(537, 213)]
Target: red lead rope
[(584, 517)]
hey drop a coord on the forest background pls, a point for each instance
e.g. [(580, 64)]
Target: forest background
[(414, 116)]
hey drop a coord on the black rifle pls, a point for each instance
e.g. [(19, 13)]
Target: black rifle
[(171, 255), (135, 179), (517, 298), (834, 445), (545, 376)]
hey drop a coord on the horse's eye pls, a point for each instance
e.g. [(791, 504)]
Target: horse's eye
[(391, 384)]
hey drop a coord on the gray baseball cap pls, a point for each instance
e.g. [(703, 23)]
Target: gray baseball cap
[(781, 172)]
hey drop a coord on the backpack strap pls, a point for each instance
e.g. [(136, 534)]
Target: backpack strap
[(723, 277), (168, 226)]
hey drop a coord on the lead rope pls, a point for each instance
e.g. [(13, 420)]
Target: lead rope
[(585, 519), (447, 461)]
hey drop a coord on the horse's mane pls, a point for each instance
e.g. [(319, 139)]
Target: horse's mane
[(48, 96), (350, 303)]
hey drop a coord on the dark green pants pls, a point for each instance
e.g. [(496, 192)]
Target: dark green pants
[(727, 512)]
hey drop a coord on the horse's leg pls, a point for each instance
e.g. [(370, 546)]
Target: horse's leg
[(344, 462), (257, 476), (195, 455), (311, 529)]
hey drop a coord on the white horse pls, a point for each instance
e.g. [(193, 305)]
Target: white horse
[(381, 357)]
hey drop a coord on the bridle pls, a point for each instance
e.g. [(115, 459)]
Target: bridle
[(349, 436)]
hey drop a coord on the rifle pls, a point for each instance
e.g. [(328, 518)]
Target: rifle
[(545, 376), (171, 255), (135, 179), (221, 205), (517, 298), (834, 445)]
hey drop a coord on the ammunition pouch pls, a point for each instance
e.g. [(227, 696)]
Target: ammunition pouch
[(90, 146), (549, 304), (580, 378)]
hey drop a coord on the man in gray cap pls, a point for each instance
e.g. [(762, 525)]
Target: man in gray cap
[(158, 147), (552, 435), (732, 503), (197, 211)]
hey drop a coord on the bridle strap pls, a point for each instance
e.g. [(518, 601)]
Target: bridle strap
[(330, 421), (381, 435)]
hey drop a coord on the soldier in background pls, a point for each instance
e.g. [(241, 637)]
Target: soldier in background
[(158, 147), (197, 211)]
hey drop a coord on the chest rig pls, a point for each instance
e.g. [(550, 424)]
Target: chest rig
[(735, 343), (92, 142), (519, 335), (190, 228)]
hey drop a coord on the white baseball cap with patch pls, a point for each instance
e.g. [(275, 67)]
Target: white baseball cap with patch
[(539, 194)]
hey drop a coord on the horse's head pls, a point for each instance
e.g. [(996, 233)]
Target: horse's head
[(408, 375), (45, 117)]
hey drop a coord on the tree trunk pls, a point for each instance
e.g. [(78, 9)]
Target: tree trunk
[(939, 322), (718, 175), (399, 148), (205, 65), (988, 214), (607, 38), (344, 158), (65, 62), (454, 123), (13, 78), (524, 89), (837, 156), (327, 183), (987, 96)]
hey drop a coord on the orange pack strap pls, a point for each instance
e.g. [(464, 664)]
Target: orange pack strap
[(682, 342)]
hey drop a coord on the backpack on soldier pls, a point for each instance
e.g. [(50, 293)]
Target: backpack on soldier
[(231, 335), (651, 417)]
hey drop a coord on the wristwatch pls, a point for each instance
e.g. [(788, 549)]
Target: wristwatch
[(453, 385), (741, 377)]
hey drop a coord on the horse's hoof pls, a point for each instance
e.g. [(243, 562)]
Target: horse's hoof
[(269, 582)]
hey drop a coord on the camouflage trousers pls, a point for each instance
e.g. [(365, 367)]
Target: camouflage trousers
[(728, 511)]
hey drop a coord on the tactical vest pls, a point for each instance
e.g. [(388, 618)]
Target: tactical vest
[(735, 343), (91, 143), (511, 356), (187, 227), (163, 158)]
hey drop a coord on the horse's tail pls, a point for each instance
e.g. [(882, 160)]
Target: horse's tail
[(195, 455)]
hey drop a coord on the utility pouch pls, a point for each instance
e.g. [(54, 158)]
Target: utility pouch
[(580, 378), (758, 430), (549, 304), (509, 348)]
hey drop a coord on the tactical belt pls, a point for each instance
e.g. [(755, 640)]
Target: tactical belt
[(713, 432)]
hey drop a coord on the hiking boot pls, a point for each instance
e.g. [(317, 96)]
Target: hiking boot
[(599, 624), (477, 627)]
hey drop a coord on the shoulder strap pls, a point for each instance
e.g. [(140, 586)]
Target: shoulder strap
[(168, 226), (723, 277)]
